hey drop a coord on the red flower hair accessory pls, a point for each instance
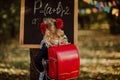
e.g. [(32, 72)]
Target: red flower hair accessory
[(43, 27), (59, 23)]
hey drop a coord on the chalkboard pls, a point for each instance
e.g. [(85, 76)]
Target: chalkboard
[(33, 12)]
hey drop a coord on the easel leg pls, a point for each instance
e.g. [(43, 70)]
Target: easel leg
[(34, 75)]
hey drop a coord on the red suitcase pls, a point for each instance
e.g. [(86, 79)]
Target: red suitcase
[(63, 62)]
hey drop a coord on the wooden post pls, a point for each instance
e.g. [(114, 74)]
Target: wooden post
[(34, 75)]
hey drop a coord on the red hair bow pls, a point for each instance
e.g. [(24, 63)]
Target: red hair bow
[(43, 27), (59, 23)]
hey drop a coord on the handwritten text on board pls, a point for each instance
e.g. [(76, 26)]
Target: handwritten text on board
[(48, 10), (60, 10)]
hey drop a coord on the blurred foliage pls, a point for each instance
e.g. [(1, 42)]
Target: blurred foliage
[(14, 74), (86, 20), (14, 62), (14, 57), (9, 27), (89, 21), (99, 40), (9, 19)]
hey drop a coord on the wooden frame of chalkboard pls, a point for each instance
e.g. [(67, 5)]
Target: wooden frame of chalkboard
[(33, 12)]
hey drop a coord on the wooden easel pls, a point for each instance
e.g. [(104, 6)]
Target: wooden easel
[(34, 48)]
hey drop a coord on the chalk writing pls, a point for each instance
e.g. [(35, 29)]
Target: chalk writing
[(34, 21), (47, 9)]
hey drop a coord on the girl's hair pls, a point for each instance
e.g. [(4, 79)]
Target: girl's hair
[(48, 36)]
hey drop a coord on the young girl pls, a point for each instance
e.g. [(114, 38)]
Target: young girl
[(53, 35)]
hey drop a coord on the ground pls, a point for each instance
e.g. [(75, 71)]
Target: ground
[(100, 55)]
